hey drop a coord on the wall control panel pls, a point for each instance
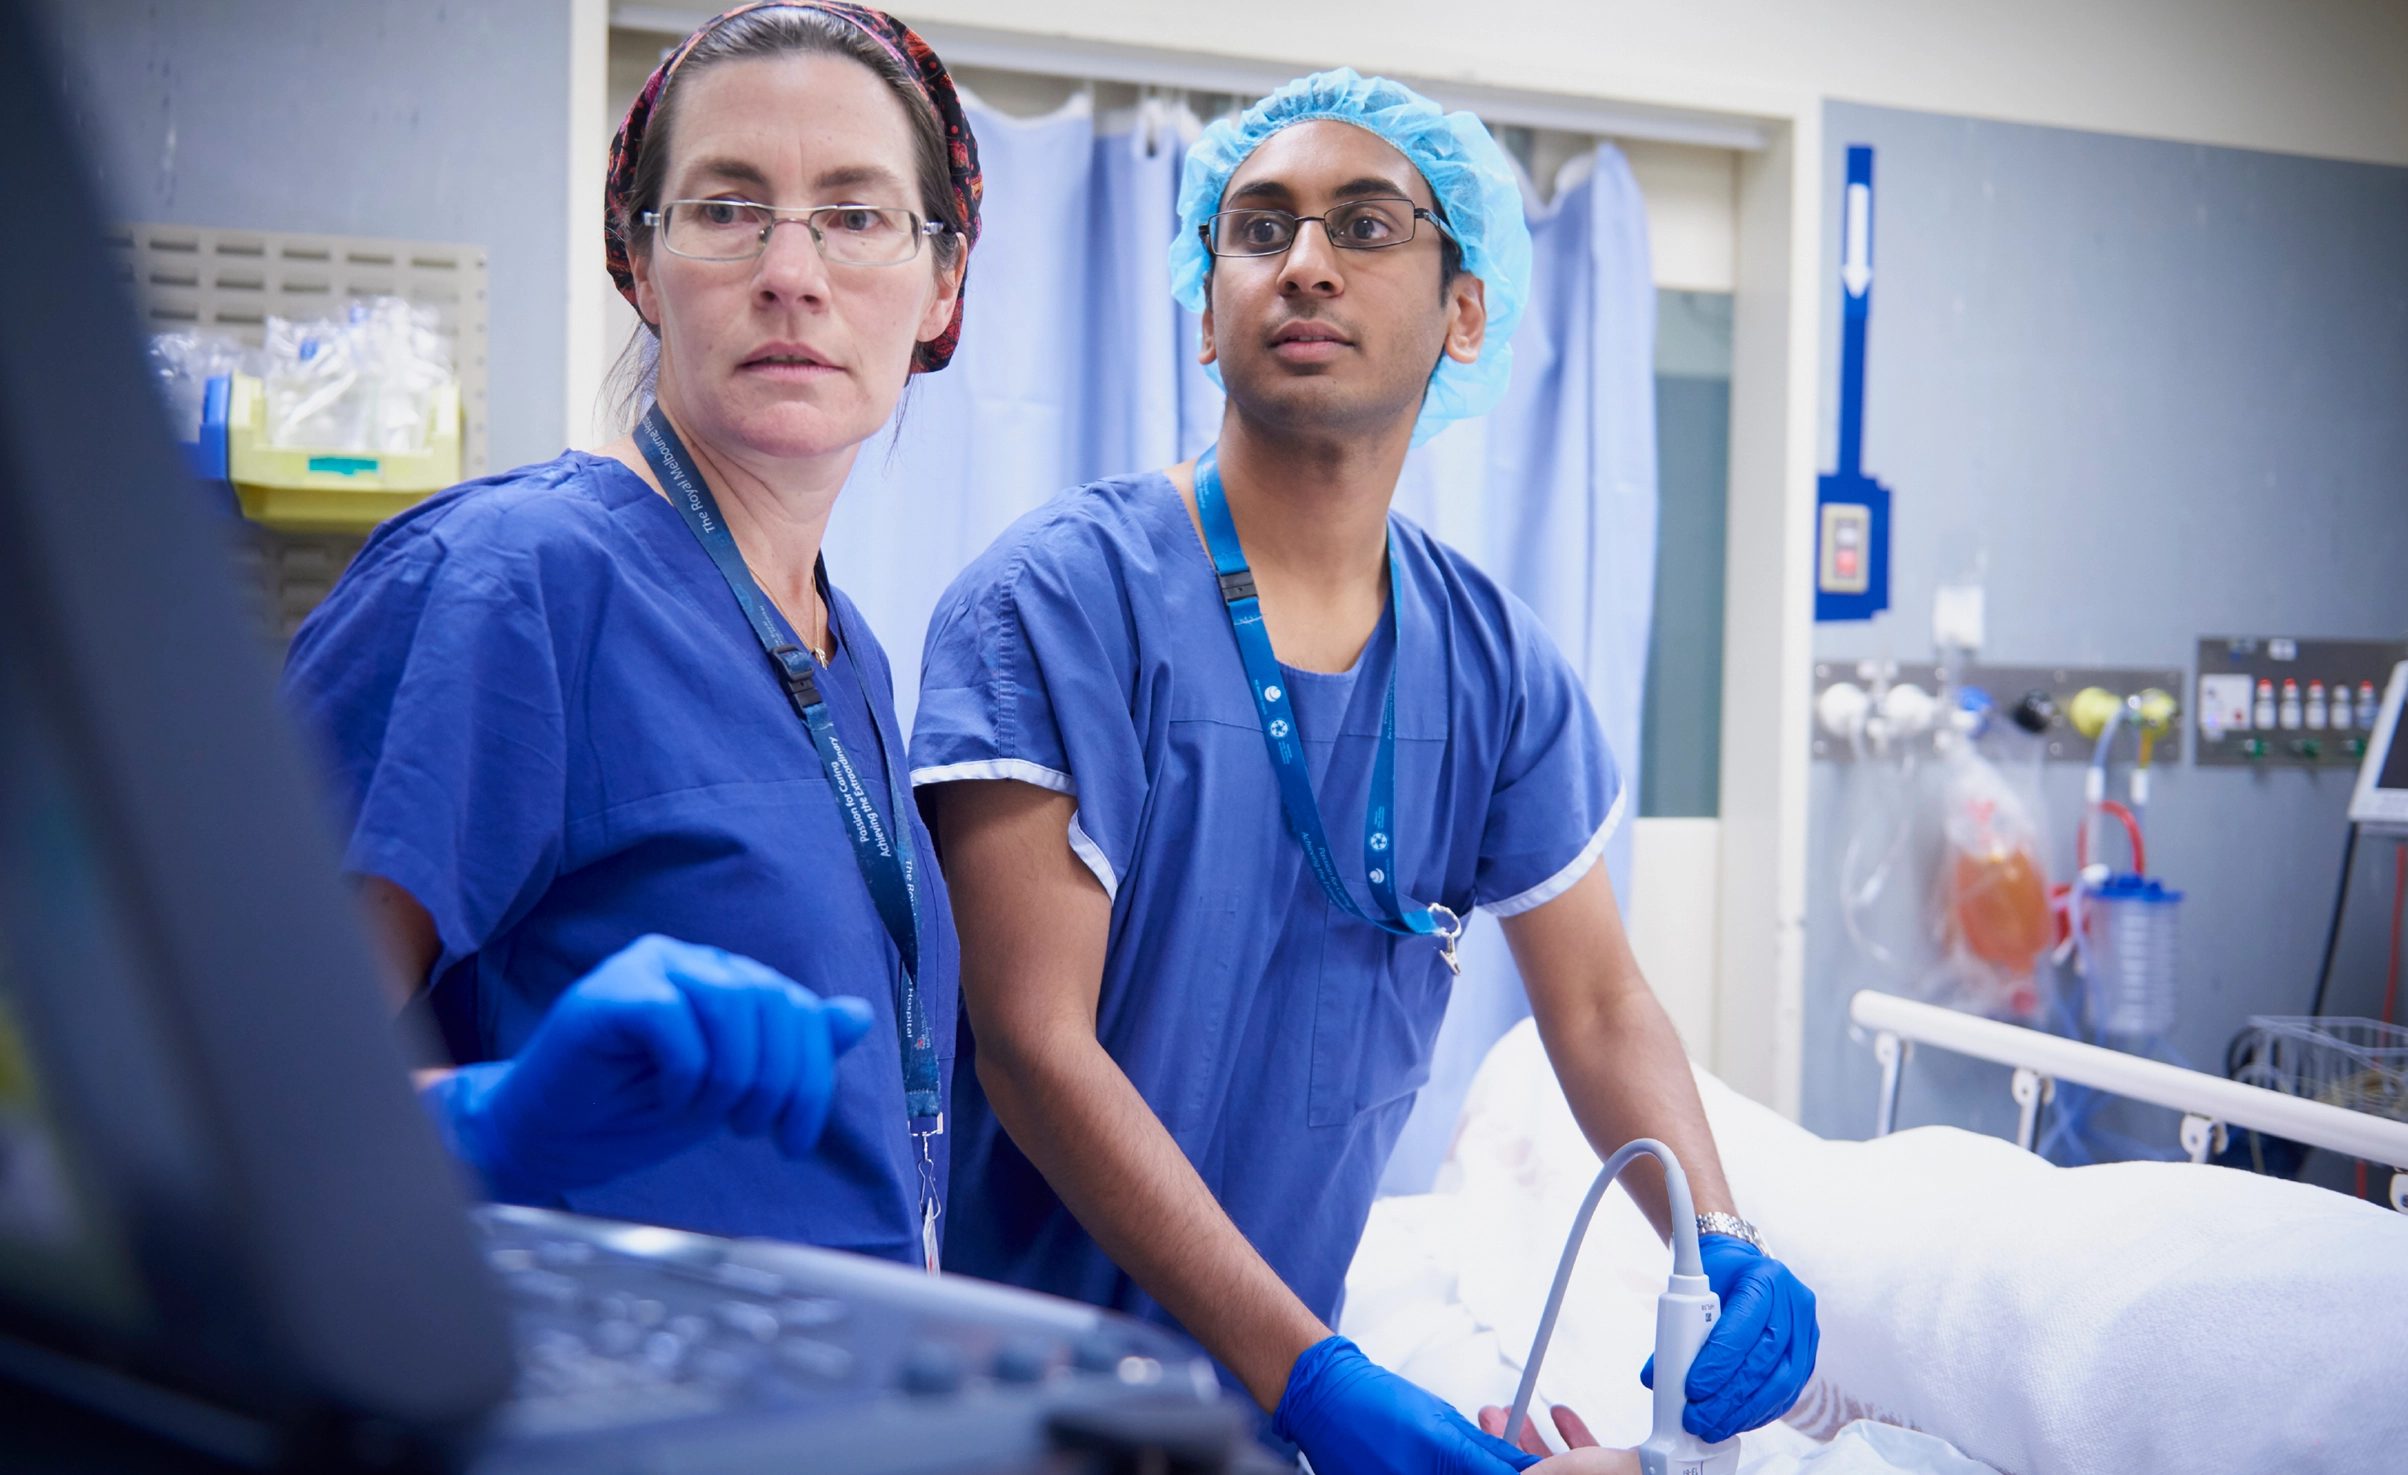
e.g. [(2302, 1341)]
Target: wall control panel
[(1847, 549), (2280, 701)]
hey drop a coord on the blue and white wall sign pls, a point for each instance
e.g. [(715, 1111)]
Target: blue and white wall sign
[(1852, 522)]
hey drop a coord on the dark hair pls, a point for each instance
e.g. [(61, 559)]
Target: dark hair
[(774, 31), (1450, 258)]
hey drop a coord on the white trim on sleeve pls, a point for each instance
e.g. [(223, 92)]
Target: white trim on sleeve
[(1561, 882), (1093, 854), (1026, 772), (992, 768)]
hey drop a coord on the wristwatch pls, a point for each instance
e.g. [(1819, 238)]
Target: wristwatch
[(1732, 1225)]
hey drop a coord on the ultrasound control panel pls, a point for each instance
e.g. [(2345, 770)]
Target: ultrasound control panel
[(644, 1349)]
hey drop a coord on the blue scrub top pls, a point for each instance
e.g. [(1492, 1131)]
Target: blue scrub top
[(1280, 1040), (552, 726)]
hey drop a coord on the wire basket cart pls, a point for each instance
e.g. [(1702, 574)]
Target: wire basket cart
[(2357, 1064)]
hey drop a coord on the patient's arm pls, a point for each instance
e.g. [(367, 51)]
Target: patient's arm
[(1612, 1046), (1582, 1455)]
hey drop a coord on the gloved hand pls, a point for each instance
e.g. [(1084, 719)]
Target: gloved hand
[(1351, 1416), (1761, 1352), (661, 1046)]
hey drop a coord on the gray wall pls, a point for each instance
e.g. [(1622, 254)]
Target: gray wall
[(410, 118), (2164, 390)]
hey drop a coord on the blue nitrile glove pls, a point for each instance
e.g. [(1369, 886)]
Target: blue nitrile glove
[(1761, 1352), (661, 1046), (1351, 1416)]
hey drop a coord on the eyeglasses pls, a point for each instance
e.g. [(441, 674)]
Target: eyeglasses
[(738, 230), (1357, 225)]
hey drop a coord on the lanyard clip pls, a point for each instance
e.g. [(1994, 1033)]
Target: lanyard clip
[(931, 1246), (1447, 931), (794, 670)]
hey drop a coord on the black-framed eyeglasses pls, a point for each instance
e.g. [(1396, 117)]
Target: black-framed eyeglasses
[(1357, 225), (738, 230)]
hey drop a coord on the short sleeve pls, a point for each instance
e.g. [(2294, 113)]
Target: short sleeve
[(1029, 674), (1559, 794), (432, 681)]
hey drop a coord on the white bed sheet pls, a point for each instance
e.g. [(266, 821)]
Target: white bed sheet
[(2136, 1316)]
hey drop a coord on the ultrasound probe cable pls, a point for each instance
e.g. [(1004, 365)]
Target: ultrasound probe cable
[(1685, 1313)]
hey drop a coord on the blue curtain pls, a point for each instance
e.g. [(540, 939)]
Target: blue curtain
[(1076, 364), (1554, 493)]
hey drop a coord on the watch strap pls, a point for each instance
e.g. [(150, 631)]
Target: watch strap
[(1732, 1225)]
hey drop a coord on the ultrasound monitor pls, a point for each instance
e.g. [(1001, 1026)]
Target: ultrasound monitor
[(2380, 800), (218, 1197)]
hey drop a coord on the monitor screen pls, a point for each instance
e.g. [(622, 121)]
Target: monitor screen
[(2381, 796), (216, 1185), (59, 1247), (2394, 772), (105, 1189)]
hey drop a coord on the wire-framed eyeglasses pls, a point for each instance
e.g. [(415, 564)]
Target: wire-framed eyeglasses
[(1357, 225), (738, 230)]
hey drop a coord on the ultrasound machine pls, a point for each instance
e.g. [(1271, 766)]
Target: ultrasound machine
[(228, 1237)]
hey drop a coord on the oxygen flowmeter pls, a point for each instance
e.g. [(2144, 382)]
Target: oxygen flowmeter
[(1685, 1314)]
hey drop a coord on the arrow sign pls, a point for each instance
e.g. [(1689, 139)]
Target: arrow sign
[(1852, 553), (1856, 268)]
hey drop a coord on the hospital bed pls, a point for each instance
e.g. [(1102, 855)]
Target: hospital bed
[(2209, 1105), (2119, 1317)]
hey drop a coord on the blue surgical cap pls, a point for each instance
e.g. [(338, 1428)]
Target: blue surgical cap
[(1469, 174)]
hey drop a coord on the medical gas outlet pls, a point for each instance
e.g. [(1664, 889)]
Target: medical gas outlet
[(1866, 709), (2283, 702)]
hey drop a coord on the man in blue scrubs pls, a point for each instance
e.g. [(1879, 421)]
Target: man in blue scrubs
[(1218, 756)]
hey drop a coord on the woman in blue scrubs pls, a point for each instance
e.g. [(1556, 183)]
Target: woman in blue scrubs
[(615, 695)]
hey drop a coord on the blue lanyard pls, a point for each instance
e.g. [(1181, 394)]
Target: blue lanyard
[(887, 862), (1286, 743)]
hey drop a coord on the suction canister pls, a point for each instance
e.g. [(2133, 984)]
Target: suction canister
[(2134, 922)]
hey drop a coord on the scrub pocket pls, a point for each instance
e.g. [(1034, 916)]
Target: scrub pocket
[(1375, 1020), (1189, 1083)]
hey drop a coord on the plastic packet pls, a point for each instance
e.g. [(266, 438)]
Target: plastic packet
[(366, 381), (183, 364), (1992, 890)]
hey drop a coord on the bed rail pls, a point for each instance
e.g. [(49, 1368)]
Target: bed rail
[(2209, 1104)]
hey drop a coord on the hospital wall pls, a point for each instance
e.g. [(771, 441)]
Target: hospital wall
[(2315, 76), (398, 118), (2162, 389)]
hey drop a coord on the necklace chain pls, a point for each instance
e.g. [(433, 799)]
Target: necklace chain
[(824, 654)]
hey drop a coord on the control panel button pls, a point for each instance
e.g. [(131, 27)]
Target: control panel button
[(1023, 1361), (931, 1370), (1098, 1352)]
